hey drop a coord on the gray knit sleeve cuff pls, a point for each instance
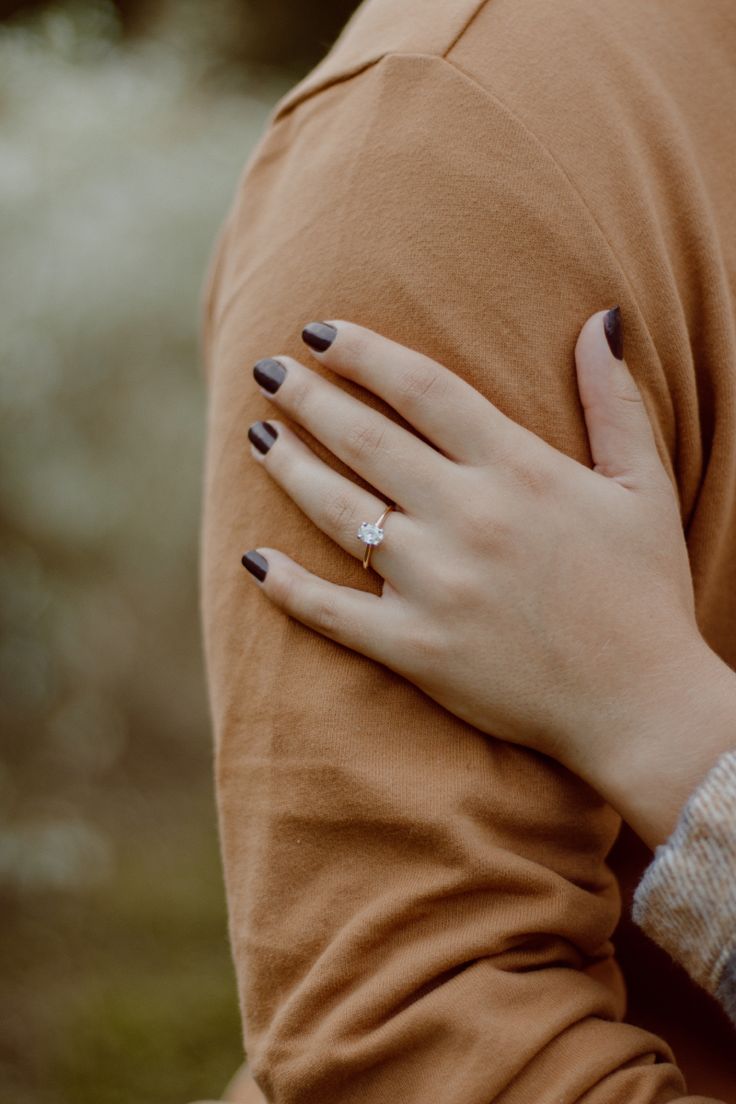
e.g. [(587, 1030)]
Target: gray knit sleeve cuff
[(686, 899)]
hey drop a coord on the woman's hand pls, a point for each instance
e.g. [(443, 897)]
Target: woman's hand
[(541, 601)]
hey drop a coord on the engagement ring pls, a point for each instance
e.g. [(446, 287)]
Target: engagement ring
[(371, 534)]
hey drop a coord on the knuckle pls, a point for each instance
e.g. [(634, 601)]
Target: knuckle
[(534, 477), (482, 528), (419, 383), (487, 531), (324, 615), (629, 393), (362, 440), (461, 589), (529, 466), (338, 512), (424, 648)]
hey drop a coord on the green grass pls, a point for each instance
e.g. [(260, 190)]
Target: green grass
[(126, 993)]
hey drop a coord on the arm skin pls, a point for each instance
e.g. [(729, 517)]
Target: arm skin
[(674, 742)]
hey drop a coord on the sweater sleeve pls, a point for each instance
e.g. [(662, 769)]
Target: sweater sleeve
[(686, 899), (417, 911)]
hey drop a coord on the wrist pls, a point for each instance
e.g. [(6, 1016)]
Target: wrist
[(648, 768)]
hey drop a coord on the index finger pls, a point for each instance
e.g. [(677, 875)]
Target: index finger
[(450, 413)]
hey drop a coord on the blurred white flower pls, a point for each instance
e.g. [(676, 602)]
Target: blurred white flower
[(66, 854), (117, 164)]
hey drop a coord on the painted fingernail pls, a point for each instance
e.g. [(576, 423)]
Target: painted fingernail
[(262, 435), (270, 374), (319, 335), (256, 564), (614, 331)]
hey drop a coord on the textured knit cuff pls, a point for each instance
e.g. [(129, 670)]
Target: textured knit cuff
[(686, 899)]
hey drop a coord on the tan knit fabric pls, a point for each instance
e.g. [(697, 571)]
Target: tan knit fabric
[(420, 912), (687, 897)]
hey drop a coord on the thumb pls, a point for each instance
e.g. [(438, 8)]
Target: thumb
[(621, 438)]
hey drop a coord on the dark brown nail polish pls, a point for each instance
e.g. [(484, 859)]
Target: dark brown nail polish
[(614, 330), (319, 335), (256, 564), (270, 374), (262, 435)]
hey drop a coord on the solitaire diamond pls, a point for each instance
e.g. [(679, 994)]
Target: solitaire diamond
[(370, 533)]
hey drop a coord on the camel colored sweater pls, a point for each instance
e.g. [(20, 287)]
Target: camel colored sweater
[(418, 911)]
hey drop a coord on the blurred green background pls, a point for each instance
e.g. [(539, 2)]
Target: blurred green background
[(123, 128)]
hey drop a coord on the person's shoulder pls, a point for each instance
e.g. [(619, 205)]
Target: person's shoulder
[(385, 27), (537, 50), (547, 54), (555, 62)]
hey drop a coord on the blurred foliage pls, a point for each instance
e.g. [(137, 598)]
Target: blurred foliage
[(121, 139), (291, 35)]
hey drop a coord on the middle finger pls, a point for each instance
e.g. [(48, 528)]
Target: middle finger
[(391, 459)]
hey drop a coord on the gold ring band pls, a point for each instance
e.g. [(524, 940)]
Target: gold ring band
[(371, 534)]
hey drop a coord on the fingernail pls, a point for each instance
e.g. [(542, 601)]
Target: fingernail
[(256, 564), (262, 435), (319, 335), (614, 331), (270, 374)]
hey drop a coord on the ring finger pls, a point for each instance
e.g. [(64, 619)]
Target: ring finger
[(335, 504)]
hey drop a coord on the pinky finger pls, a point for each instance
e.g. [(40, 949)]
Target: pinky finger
[(355, 618)]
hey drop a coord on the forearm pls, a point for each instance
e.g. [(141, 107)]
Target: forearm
[(648, 772)]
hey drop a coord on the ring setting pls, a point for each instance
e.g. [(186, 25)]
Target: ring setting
[(371, 534)]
